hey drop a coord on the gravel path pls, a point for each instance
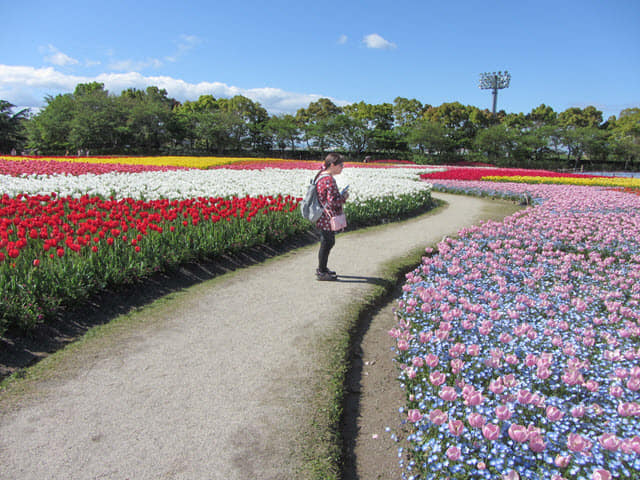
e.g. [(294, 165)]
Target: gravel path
[(214, 383)]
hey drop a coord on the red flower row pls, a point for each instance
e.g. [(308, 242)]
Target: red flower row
[(471, 173), (62, 224)]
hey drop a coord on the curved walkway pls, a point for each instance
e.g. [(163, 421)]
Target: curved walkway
[(215, 382)]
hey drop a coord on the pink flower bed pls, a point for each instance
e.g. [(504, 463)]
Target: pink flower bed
[(519, 342)]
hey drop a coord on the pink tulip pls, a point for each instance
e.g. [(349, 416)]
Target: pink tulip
[(476, 420), (424, 336), (411, 373), (592, 386), (403, 345), (473, 350), (536, 443), (474, 399), (633, 384), (431, 360), (518, 433), (456, 427), (524, 397), (448, 394), (453, 453), (503, 412), (496, 386), (511, 475), (601, 474), (437, 378), (609, 441), (438, 417), (577, 443), (417, 361), (456, 366), (553, 413), (530, 360), (562, 461), (578, 411), (511, 359), (510, 380), (491, 431), (414, 415)]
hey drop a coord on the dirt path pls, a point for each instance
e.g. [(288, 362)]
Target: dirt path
[(215, 383)]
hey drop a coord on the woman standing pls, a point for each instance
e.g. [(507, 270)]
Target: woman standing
[(332, 201)]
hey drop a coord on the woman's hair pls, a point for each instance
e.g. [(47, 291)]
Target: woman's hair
[(333, 159), (330, 159)]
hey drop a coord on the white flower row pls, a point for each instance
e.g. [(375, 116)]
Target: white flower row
[(364, 183)]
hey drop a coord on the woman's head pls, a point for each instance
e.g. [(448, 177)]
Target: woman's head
[(333, 159)]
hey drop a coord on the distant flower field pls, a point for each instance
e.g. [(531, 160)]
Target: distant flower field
[(72, 228)]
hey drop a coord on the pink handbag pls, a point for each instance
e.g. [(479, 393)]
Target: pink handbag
[(339, 222)]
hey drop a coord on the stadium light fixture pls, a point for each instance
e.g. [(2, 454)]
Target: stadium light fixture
[(494, 81)]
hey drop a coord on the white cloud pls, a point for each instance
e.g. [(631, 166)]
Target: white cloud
[(124, 65), (56, 57), (343, 39), (184, 45), (376, 41), (27, 86)]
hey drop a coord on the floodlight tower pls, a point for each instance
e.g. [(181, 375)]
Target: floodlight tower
[(495, 81)]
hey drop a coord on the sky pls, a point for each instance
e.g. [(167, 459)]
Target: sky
[(286, 54)]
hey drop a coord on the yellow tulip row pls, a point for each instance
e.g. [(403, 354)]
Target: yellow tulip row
[(587, 181), (162, 161)]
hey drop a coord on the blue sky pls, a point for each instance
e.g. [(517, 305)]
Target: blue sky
[(286, 54)]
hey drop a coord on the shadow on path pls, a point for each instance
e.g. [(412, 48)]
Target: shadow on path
[(355, 279)]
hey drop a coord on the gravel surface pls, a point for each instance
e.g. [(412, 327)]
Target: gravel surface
[(214, 383)]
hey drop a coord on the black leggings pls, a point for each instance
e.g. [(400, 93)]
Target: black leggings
[(327, 241)]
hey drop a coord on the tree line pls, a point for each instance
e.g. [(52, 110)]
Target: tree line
[(148, 122)]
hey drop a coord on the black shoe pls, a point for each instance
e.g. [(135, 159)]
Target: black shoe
[(326, 276), (330, 272)]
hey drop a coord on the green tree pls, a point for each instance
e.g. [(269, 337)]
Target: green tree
[(494, 142), (580, 141), (431, 138), (625, 137), (95, 122), (576, 117), (284, 131), (254, 117), (406, 112), (49, 130), (542, 115), (365, 127), (319, 124), (150, 120), (457, 119), (12, 135)]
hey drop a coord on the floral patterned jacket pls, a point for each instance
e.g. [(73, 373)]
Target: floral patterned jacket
[(329, 197)]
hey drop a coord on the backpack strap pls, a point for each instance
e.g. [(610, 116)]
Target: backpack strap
[(317, 179)]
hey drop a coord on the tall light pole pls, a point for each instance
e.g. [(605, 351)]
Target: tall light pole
[(495, 81)]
